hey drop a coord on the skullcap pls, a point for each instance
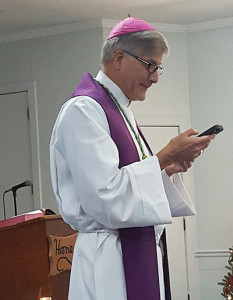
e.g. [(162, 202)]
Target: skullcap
[(129, 25)]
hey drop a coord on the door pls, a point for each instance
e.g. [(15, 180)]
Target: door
[(158, 137), (15, 152)]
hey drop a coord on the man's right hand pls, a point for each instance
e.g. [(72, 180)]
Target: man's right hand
[(186, 147)]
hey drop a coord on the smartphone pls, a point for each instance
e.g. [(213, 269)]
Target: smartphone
[(212, 130)]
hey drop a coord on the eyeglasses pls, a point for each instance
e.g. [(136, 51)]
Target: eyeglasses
[(150, 67)]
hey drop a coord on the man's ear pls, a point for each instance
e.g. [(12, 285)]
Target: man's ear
[(118, 58)]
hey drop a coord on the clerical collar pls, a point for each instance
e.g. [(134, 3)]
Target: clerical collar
[(117, 92)]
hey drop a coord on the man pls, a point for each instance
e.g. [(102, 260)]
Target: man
[(108, 184)]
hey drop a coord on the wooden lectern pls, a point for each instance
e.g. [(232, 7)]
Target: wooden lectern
[(24, 260)]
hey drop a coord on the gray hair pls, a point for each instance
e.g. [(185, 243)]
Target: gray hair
[(144, 42)]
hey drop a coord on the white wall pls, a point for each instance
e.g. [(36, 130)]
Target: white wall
[(56, 64), (210, 57)]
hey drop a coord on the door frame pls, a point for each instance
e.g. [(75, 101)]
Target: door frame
[(30, 88), (190, 232)]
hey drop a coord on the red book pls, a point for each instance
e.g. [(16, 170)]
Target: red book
[(22, 218)]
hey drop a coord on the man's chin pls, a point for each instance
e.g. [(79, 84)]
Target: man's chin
[(138, 98), (142, 98)]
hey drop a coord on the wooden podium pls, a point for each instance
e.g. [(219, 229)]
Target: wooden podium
[(24, 260)]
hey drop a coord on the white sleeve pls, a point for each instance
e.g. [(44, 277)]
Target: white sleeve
[(85, 160), (178, 197)]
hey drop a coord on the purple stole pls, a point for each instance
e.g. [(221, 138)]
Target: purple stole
[(138, 243)]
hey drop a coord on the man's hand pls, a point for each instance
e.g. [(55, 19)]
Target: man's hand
[(182, 149), (178, 167)]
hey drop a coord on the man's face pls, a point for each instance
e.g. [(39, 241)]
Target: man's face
[(135, 77)]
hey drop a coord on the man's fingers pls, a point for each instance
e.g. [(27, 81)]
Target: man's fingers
[(191, 132)]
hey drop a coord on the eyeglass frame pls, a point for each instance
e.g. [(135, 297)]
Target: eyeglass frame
[(149, 65)]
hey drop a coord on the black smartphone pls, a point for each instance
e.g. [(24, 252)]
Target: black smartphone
[(212, 130)]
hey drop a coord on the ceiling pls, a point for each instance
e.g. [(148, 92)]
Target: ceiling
[(24, 15)]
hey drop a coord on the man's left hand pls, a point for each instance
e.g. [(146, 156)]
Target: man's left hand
[(178, 167)]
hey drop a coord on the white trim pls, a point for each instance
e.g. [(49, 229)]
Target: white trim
[(180, 28), (159, 26), (30, 88), (209, 25), (55, 30), (211, 253), (106, 23)]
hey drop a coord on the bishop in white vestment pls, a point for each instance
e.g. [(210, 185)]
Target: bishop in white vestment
[(96, 197)]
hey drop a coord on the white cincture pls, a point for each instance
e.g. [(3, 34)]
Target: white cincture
[(102, 230)]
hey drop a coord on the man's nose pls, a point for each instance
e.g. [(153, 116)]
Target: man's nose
[(154, 77)]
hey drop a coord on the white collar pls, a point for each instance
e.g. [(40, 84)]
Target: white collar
[(117, 92)]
